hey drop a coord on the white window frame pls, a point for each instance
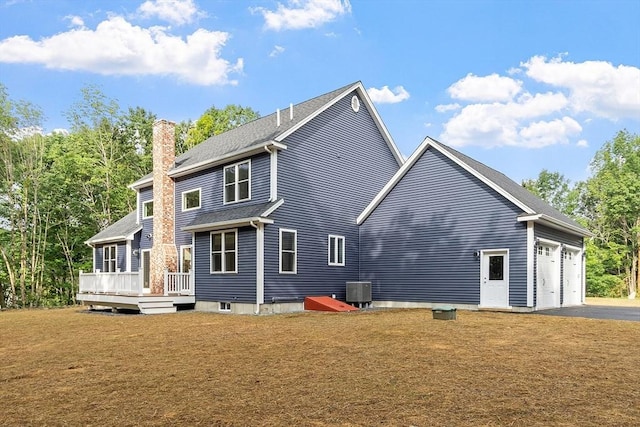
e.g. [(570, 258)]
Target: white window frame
[(340, 243), (224, 306), (295, 251), (235, 183), (114, 259), (223, 252), (144, 210), (183, 248), (184, 200)]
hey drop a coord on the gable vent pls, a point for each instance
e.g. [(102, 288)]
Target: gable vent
[(355, 104)]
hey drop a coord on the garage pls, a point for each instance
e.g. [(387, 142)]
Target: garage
[(548, 275), (572, 277)]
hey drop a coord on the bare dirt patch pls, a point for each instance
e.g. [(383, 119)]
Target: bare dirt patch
[(68, 367)]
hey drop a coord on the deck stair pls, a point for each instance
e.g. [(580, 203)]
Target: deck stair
[(326, 304), (156, 307)]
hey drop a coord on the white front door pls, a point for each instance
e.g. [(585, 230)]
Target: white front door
[(146, 267), (572, 275), (494, 279), (548, 275)]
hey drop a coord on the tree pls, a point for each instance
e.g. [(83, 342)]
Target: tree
[(215, 121), (556, 190), (613, 203)]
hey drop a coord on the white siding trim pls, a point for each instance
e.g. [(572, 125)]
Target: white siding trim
[(193, 263), (94, 259), (530, 261), (128, 256), (273, 165), (259, 266), (138, 213)]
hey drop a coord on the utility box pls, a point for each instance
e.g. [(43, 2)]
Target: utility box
[(445, 312), (358, 292)]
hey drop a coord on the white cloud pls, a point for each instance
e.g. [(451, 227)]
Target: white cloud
[(498, 124), (447, 107), (301, 14), (485, 89), (385, 95), (117, 47), (595, 87), (277, 50), (178, 12), (75, 20), (500, 111)]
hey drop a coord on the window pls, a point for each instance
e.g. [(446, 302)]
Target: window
[(147, 209), (336, 250), (109, 257), (496, 267), (288, 251), (225, 306), (185, 259), (191, 200), (223, 252), (237, 180)]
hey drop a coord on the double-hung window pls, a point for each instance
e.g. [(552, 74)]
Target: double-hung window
[(336, 250), (237, 182), (109, 257), (147, 209), (288, 251), (224, 252), (191, 200)]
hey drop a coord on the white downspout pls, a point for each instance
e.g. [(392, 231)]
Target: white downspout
[(259, 265)]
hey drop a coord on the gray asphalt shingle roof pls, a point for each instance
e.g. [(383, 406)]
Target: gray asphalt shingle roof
[(517, 191), (120, 230), (232, 214)]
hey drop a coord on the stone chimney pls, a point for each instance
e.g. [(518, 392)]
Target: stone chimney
[(164, 255)]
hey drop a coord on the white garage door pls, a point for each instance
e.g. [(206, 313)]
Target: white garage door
[(572, 278), (548, 276)]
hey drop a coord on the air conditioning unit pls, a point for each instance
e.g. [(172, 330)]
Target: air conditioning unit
[(359, 292)]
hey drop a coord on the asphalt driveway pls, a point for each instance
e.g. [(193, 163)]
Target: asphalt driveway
[(596, 312)]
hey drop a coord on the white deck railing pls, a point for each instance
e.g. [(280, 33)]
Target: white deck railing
[(177, 283), (121, 283), (128, 283)]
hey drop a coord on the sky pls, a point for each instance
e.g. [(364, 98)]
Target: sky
[(518, 85)]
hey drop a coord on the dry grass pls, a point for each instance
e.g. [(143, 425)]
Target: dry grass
[(615, 302), (68, 367)]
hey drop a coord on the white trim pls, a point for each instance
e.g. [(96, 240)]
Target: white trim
[(273, 175), (273, 208), (583, 269), (259, 266), (546, 220), (223, 224), (369, 105), (500, 251), (128, 256), (223, 251), (113, 238), (146, 202), (336, 252), (138, 213), (530, 262), (295, 251), (181, 257), (236, 184), (227, 158), (183, 199), (94, 258), (141, 183), (193, 263)]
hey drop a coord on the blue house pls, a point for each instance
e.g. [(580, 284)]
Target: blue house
[(302, 201)]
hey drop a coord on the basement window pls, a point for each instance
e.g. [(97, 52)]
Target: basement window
[(225, 306)]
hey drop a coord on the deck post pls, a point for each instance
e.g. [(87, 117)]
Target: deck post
[(166, 282)]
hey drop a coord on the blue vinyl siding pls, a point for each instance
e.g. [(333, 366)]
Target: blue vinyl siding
[(135, 244), (233, 287), (210, 182), (419, 244), (147, 224), (332, 168)]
